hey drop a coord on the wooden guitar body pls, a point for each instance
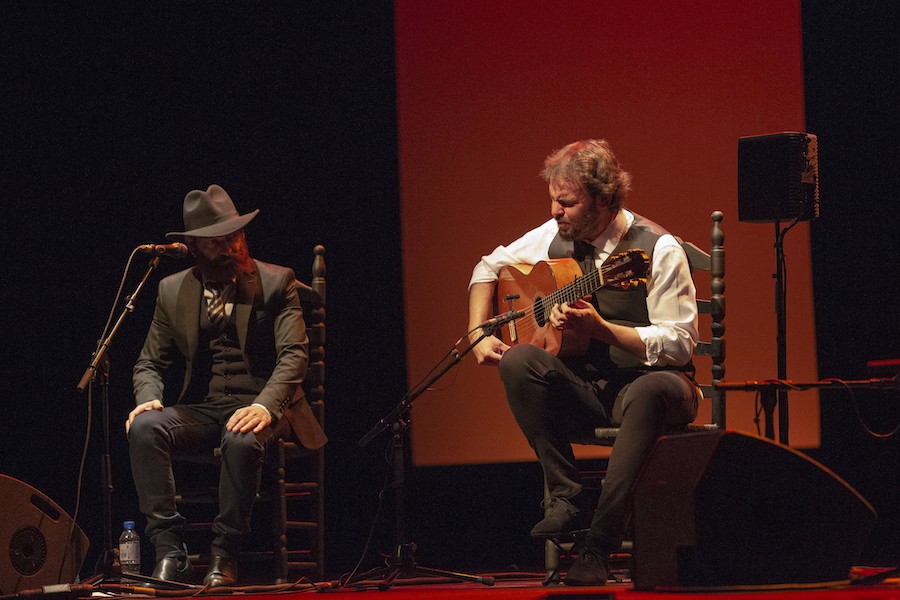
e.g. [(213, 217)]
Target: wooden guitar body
[(531, 283)]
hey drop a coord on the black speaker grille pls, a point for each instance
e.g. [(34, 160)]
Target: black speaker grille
[(28, 550), (778, 177)]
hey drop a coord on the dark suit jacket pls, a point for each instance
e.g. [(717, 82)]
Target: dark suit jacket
[(271, 333)]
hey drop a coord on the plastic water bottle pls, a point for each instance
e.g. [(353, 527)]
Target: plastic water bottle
[(130, 549)]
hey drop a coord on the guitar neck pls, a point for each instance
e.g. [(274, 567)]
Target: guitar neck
[(575, 290)]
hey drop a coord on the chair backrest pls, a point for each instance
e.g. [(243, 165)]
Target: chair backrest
[(312, 301), (714, 306), (300, 544), (713, 347)]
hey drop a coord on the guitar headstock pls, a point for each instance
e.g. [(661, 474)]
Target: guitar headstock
[(626, 269)]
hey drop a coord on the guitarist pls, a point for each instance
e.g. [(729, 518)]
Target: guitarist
[(637, 372)]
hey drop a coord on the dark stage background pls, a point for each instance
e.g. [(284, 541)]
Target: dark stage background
[(110, 115)]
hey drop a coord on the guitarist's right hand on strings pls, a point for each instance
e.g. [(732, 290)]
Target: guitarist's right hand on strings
[(583, 317), (489, 351)]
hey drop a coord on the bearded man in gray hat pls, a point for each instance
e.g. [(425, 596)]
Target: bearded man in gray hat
[(236, 326)]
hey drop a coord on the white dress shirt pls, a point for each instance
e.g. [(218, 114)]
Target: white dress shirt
[(671, 297)]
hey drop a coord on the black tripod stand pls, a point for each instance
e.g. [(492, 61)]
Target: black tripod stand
[(402, 562)]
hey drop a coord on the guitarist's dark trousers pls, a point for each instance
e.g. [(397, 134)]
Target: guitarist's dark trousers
[(553, 404)]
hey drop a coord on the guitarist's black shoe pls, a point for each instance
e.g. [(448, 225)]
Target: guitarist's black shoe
[(561, 516), (590, 568)]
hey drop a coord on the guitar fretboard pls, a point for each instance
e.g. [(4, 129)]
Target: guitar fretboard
[(575, 290)]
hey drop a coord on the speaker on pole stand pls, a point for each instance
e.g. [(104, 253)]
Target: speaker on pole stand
[(778, 181)]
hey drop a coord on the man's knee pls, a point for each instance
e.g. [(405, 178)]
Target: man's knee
[(660, 393), (519, 359), (664, 385), (145, 427), (246, 445)]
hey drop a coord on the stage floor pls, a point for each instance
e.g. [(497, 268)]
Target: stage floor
[(506, 586)]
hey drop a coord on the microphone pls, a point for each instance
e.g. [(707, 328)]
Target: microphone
[(499, 320), (175, 250)]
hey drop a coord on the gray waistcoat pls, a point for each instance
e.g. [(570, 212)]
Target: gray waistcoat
[(621, 306)]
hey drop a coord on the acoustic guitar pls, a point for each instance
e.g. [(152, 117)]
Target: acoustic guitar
[(535, 289)]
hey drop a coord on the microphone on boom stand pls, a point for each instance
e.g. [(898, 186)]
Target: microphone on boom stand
[(503, 319)]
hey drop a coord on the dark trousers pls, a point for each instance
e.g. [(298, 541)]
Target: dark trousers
[(156, 437), (553, 405)]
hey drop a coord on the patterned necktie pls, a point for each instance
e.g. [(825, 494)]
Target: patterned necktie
[(215, 304), (583, 253)]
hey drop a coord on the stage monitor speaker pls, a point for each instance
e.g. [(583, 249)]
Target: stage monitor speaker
[(34, 533), (778, 177), (732, 510)]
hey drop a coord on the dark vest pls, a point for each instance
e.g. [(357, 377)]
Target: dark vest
[(621, 306), (219, 366)]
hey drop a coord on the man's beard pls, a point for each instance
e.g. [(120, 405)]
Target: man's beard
[(226, 267), (577, 230)]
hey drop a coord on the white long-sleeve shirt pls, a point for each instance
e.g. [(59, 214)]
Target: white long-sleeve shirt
[(671, 297)]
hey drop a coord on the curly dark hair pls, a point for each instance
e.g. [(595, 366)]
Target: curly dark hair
[(592, 165)]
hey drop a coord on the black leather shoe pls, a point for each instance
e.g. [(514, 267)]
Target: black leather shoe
[(590, 568), (173, 568), (560, 517), (222, 571)]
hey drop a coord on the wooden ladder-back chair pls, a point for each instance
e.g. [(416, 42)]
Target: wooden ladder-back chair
[(714, 348), (292, 490)]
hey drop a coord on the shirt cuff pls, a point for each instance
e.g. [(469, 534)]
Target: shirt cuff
[(652, 343), (665, 348)]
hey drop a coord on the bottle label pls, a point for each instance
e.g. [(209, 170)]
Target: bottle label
[(130, 552)]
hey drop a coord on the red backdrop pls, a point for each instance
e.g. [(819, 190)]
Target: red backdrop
[(487, 89)]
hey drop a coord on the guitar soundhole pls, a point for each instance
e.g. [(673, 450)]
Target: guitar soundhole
[(539, 315)]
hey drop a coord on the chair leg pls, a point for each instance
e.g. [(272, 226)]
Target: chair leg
[(551, 562), (280, 517), (320, 514)]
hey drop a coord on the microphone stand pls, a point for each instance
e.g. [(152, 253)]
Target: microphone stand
[(403, 562), (108, 560)]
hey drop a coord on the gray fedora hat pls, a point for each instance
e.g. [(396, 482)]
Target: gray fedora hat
[(210, 213)]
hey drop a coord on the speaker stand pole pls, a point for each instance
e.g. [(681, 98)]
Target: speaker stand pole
[(768, 395), (781, 336)]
